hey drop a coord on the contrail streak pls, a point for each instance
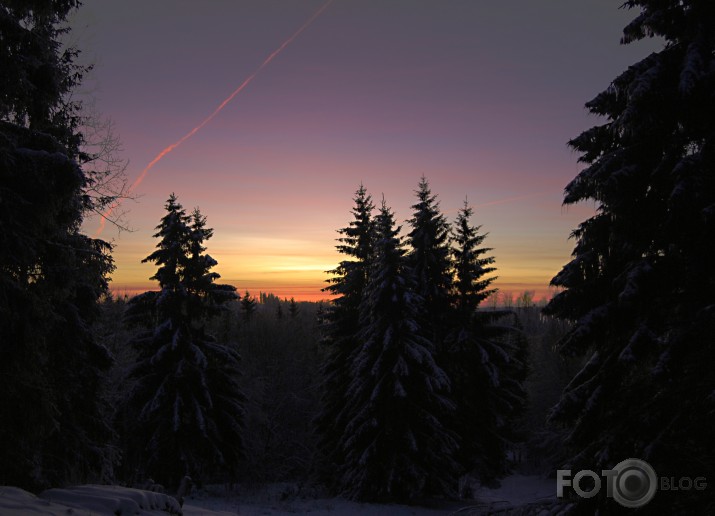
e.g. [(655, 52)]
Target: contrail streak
[(246, 82)]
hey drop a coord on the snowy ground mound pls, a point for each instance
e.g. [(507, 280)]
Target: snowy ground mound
[(274, 500), (93, 500)]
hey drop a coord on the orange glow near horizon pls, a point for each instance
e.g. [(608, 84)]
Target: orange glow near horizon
[(275, 256), (303, 277)]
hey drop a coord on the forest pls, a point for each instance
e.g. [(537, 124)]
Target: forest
[(416, 379)]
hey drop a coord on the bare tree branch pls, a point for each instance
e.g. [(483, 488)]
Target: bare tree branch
[(106, 185)]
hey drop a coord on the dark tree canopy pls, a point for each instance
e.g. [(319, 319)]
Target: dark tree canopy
[(51, 275), (38, 74), (639, 286)]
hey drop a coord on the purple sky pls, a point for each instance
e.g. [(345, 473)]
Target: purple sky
[(479, 96)]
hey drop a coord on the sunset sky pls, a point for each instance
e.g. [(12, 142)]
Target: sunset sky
[(479, 96)]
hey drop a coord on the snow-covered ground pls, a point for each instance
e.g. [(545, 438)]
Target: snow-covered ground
[(518, 489), (275, 500), (286, 499)]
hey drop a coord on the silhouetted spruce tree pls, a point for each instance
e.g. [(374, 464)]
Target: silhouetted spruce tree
[(395, 445), (340, 324), (484, 359), (641, 281), (206, 297), (186, 400), (429, 259), (293, 308), (53, 426), (248, 306)]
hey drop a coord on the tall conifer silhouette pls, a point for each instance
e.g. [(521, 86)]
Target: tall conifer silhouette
[(485, 358), (639, 286), (51, 275), (395, 445), (186, 400), (340, 327)]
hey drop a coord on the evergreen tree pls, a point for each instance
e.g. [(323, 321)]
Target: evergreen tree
[(472, 283), (186, 400), (639, 286), (484, 359), (340, 323), (293, 308), (51, 275), (429, 259), (248, 305), (205, 295), (395, 445)]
